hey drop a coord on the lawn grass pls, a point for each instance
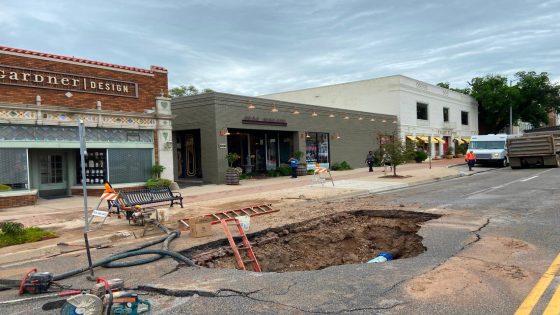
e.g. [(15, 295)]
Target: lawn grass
[(29, 235)]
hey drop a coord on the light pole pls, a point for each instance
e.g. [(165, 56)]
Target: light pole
[(511, 111)]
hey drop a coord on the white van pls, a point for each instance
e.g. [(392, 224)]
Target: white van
[(490, 149)]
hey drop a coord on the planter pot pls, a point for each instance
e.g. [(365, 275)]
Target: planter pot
[(449, 156), (459, 155), (302, 170), (232, 177)]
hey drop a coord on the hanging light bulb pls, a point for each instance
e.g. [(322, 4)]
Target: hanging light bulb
[(373, 119), (394, 121), (274, 109), (346, 117), (314, 114), (331, 115), (337, 136), (361, 118), (307, 135), (384, 121), (251, 106), (295, 112)]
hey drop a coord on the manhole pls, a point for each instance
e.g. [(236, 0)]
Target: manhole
[(342, 238)]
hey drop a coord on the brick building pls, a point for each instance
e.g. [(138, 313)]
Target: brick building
[(42, 99)]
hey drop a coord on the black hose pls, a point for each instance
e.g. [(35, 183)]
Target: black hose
[(110, 261)]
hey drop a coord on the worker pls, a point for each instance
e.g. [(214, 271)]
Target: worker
[(470, 158), (294, 163), (370, 160)]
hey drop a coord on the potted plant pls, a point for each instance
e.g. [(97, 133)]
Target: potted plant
[(232, 174), (460, 151), (157, 170), (449, 154), (302, 167)]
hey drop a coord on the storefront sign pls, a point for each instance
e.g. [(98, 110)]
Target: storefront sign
[(35, 78), (264, 121)]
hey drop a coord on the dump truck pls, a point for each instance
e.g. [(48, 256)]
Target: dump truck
[(535, 149)]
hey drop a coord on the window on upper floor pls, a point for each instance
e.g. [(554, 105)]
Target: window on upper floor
[(445, 114), (422, 111), (464, 118)]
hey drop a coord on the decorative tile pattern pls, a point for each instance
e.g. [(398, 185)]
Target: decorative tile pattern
[(59, 133)]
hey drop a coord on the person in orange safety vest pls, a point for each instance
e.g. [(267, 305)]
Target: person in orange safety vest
[(470, 158)]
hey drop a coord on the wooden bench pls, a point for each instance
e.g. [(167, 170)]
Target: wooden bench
[(129, 199)]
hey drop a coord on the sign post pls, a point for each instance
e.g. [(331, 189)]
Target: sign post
[(82, 135)]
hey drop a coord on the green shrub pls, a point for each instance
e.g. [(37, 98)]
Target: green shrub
[(343, 166), (420, 156), (12, 228), (272, 173), (158, 183), (310, 172), (284, 170), (378, 155), (5, 187)]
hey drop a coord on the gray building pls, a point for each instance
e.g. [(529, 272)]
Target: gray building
[(265, 133)]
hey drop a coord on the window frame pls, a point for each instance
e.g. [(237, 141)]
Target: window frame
[(446, 114), (467, 118), (418, 105)]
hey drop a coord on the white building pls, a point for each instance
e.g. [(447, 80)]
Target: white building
[(423, 109)]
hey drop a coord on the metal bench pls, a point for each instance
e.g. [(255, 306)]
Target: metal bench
[(129, 199)]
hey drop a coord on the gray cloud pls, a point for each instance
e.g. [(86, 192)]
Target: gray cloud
[(257, 47)]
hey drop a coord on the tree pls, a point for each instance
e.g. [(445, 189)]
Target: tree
[(535, 97), (446, 86), (531, 99), (183, 90), (494, 97), (398, 151)]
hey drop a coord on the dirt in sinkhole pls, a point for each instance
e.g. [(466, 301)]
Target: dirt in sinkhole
[(342, 238)]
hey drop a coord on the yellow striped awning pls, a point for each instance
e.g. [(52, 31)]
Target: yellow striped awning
[(467, 140), (411, 138), (423, 139), (439, 140), (459, 141)]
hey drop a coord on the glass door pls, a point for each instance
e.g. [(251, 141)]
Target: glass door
[(52, 174), (271, 151)]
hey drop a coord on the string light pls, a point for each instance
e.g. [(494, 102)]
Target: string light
[(346, 117), (361, 118), (274, 109), (373, 119), (314, 114), (296, 112), (331, 115), (251, 106)]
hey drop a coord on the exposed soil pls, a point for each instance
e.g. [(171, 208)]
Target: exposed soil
[(342, 238)]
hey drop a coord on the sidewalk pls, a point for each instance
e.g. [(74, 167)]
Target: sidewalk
[(65, 216)]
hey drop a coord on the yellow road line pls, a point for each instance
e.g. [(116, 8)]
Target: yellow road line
[(553, 307), (534, 296)]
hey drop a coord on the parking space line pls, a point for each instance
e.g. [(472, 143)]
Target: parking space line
[(527, 179), (534, 296)]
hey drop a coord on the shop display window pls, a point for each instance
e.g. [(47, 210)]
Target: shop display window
[(317, 147), (96, 167)]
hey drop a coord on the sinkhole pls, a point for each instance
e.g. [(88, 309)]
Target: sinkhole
[(343, 238)]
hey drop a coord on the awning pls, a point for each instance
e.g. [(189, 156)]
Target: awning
[(459, 141), (411, 138), (423, 139), (440, 140), (467, 140)]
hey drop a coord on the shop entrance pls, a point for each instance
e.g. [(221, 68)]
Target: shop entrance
[(50, 172), (188, 154), (260, 151)]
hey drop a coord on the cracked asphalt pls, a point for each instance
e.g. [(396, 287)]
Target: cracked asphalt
[(497, 235)]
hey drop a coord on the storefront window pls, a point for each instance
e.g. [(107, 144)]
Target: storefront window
[(13, 169), (317, 148)]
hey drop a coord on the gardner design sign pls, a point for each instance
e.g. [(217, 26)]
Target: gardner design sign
[(35, 78)]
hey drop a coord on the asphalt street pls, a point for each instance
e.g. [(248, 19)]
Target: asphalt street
[(500, 206)]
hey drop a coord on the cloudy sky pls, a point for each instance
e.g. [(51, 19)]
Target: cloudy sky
[(254, 47)]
